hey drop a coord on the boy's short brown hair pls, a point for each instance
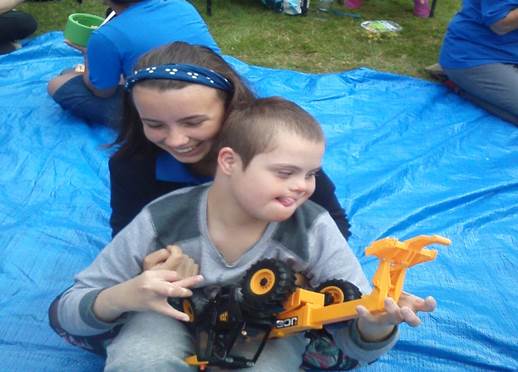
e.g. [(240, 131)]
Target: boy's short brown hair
[(252, 129)]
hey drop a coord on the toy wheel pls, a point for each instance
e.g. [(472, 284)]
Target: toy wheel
[(337, 291), (188, 308), (267, 284)]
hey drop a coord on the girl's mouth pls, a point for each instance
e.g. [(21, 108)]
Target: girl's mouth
[(186, 149)]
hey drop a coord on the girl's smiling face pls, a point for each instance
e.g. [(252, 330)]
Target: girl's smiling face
[(184, 122)]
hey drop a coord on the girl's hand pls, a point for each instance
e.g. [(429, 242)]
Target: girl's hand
[(376, 327), (147, 291), (171, 258)]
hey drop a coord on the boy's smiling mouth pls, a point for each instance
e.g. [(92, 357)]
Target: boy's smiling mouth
[(287, 201)]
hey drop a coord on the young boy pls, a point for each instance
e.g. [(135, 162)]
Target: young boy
[(269, 153)]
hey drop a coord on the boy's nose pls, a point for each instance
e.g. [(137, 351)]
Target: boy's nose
[(300, 184)]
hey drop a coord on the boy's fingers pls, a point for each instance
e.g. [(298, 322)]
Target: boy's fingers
[(191, 268), (165, 289), (429, 304), (410, 317), (153, 259), (364, 313), (166, 309), (195, 269), (393, 310), (417, 303), (172, 262), (168, 275), (190, 281), (174, 250)]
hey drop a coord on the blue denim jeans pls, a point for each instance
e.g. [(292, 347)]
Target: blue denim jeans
[(76, 98), (492, 87)]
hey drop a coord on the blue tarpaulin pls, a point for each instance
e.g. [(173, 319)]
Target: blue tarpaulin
[(408, 157)]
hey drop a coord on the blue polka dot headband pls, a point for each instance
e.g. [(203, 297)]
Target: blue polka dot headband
[(188, 73)]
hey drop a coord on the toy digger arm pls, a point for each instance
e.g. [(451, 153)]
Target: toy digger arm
[(395, 258)]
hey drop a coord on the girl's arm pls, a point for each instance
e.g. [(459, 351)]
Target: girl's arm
[(325, 196), (133, 186)]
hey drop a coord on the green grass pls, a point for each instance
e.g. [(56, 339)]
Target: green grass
[(313, 43)]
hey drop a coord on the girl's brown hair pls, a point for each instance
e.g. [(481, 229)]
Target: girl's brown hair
[(131, 138)]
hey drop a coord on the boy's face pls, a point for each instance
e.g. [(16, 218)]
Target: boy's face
[(275, 183)]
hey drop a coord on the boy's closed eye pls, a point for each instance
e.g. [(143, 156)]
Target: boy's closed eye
[(312, 173), (284, 173), (288, 172)]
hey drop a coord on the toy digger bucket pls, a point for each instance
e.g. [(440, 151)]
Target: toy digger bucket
[(407, 253), (395, 257)]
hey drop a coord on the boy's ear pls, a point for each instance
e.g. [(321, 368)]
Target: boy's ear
[(227, 160)]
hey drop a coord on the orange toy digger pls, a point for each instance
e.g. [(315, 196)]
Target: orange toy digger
[(268, 304)]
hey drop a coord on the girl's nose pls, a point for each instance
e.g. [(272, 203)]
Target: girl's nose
[(175, 138)]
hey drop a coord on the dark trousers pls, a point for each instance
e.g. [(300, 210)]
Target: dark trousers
[(492, 87), (16, 25)]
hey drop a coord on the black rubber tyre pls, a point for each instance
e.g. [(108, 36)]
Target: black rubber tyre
[(337, 290), (267, 284)]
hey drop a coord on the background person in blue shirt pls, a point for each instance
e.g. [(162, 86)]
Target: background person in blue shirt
[(480, 55), (139, 26)]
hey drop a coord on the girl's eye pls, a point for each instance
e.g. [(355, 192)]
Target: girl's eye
[(311, 175), (192, 124), (153, 125)]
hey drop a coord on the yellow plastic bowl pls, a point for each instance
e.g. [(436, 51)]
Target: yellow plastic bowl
[(80, 26)]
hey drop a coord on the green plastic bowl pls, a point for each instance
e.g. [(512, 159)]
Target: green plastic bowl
[(80, 26)]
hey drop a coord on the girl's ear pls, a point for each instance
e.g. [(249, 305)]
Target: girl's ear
[(227, 160)]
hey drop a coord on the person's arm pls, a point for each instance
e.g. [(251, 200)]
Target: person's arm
[(103, 65), (506, 25), (325, 196), (332, 258), (103, 93), (6, 5), (169, 258), (148, 291), (367, 337), (114, 284)]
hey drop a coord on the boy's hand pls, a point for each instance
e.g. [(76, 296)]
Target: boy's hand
[(171, 258), (415, 304), (377, 327), (147, 291)]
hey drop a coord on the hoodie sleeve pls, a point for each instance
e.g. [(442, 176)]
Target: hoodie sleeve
[(332, 258), (118, 262)]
